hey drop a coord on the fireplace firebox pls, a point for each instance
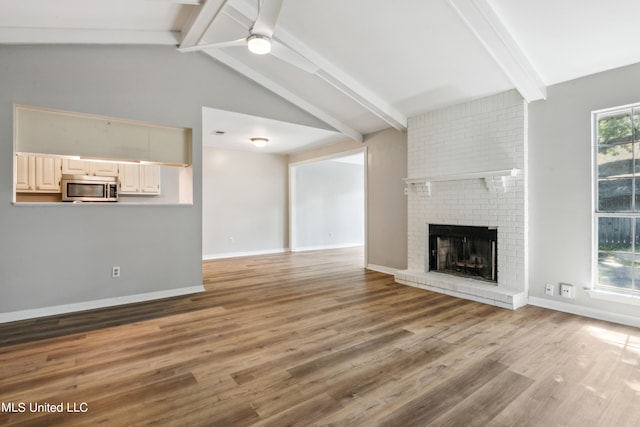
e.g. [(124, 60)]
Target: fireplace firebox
[(464, 251)]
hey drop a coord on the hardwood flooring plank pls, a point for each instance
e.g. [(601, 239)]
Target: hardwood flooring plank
[(328, 361), (303, 414), (487, 402), (427, 407)]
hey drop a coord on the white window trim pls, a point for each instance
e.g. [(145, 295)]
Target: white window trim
[(622, 298), (601, 293)]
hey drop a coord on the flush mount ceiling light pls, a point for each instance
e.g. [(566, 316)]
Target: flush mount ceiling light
[(259, 142), (259, 44)]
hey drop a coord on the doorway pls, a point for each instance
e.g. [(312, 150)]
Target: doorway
[(327, 198)]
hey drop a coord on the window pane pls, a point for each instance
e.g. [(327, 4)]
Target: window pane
[(615, 269), (614, 129), (614, 195), (614, 234), (616, 160), (636, 124), (637, 195)]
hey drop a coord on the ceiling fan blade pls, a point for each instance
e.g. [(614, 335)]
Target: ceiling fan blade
[(267, 17), (288, 55), (218, 45)]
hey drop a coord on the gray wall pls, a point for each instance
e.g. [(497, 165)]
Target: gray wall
[(57, 255), (328, 202), (244, 203), (386, 202), (560, 221)]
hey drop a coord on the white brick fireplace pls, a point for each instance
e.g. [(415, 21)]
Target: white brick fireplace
[(467, 166)]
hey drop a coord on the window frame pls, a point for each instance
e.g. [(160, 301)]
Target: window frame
[(633, 214)]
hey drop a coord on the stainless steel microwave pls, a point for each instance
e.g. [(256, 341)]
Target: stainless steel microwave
[(84, 188)]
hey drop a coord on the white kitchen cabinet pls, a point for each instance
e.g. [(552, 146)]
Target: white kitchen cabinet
[(48, 174), (104, 168), (139, 179), (129, 178), (150, 179), (75, 167), (84, 167), (37, 174), (25, 173)]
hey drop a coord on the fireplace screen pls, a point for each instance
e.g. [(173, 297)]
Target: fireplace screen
[(464, 251)]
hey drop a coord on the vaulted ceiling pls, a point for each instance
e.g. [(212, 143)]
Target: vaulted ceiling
[(375, 63)]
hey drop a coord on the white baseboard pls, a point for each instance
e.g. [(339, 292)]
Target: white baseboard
[(585, 311), (247, 253), (382, 269), (325, 247), (14, 316)]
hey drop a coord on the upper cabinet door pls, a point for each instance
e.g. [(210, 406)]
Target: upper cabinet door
[(25, 172), (150, 179), (48, 174), (75, 167), (104, 168), (129, 178)]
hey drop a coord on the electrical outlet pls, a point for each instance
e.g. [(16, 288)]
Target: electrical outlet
[(566, 290), (115, 271), (548, 289)]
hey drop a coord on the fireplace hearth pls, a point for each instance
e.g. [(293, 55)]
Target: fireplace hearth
[(464, 251)]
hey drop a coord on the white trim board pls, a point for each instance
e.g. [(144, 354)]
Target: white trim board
[(585, 311), (15, 316), (326, 247), (382, 269), (241, 254)]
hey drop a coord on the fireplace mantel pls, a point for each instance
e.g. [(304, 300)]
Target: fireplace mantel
[(495, 180)]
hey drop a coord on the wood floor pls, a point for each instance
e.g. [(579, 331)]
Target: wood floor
[(314, 339)]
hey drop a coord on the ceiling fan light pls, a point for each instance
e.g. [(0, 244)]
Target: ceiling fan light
[(259, 142), (260, 45)]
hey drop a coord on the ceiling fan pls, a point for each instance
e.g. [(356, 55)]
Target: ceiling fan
[(260, 39)]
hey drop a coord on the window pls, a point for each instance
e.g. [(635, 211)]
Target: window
[(617, 201)]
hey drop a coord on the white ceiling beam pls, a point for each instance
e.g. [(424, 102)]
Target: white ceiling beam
[(199, 22), (243, 18), (86, 36), (491, 32), (284, 93), (332, 74)]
